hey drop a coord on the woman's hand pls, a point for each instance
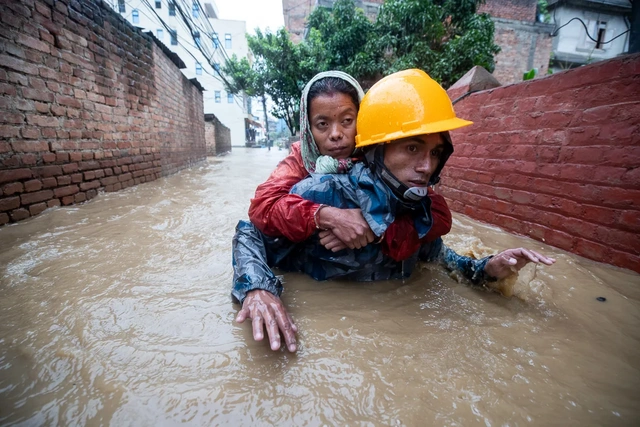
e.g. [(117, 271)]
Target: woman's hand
[(347, 225), (512, 260), (266, 310)]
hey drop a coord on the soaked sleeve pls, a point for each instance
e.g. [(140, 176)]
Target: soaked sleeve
[(470, 268), (274, 211)]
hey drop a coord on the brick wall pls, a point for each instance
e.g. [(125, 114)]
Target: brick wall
[(519, 10), (556, 159), (523, 46), (217, 135), (87, 103)]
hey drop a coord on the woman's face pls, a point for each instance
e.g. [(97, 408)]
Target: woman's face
[(333, 124)]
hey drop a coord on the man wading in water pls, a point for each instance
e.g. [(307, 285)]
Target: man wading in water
[(403, 125)]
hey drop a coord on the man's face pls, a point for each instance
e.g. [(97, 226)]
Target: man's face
[(413, 160), (333, 124)]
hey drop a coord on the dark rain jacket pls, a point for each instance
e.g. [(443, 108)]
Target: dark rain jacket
[(254, 253)]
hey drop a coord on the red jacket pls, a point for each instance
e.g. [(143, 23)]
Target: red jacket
[(275, 212)]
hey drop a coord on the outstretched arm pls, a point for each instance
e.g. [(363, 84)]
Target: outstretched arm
[(267, 310), (487, 269), (512, 260)]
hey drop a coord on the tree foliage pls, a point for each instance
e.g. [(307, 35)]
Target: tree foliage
[(446, 38)]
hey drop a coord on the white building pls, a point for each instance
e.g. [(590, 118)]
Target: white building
[(219, 39), (588, 31)]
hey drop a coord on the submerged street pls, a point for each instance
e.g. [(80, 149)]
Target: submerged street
[(117, 311)]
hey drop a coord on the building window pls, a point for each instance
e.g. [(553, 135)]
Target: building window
[(172, 8), (158, 4), (195, 10), (135, 17), (227, 41), (229, 98), (196, 38), (121, 7), (216, 42), (174, 37), (216, 66), (600, 33), (159, 33), (218, 97), (198, 69)]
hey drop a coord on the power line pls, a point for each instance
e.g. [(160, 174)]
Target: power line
[(555, 31)]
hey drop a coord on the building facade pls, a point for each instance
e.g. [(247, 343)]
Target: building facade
[(204, 44), (296, 11), (525, 42), (588, 31)]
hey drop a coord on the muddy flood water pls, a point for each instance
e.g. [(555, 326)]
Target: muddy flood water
[(117, 312)]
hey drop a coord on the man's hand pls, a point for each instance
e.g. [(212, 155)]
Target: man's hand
[(348, 225), (266, 309), (512, 260)]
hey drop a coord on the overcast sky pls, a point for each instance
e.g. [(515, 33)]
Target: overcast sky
[(257, 13)]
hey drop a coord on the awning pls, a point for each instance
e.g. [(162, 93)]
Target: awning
[(252, 122)]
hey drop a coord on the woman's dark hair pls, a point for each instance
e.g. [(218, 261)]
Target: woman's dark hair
[(330, 86)]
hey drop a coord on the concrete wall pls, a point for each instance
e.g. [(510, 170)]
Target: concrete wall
[(556, 159), (87, 103)]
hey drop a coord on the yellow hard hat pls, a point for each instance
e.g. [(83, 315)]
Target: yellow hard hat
[(404, 104)]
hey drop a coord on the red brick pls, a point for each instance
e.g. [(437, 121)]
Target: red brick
[(33, 43), (30, 132), (38, 95), (76, 178), (32, 185), (8, 203), (68, 101), (37, 208), (13, 118), (64, 180), (53, 202), (40, 120), (67, 200), (49, 182), (22, 146), (12, 188), (65, 191), (7, 131), (45, 171), (19, 214), (592, 250), (80, 197), (4, 218), (39, 196), (18, 65), (90, 185), (14, 175)]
